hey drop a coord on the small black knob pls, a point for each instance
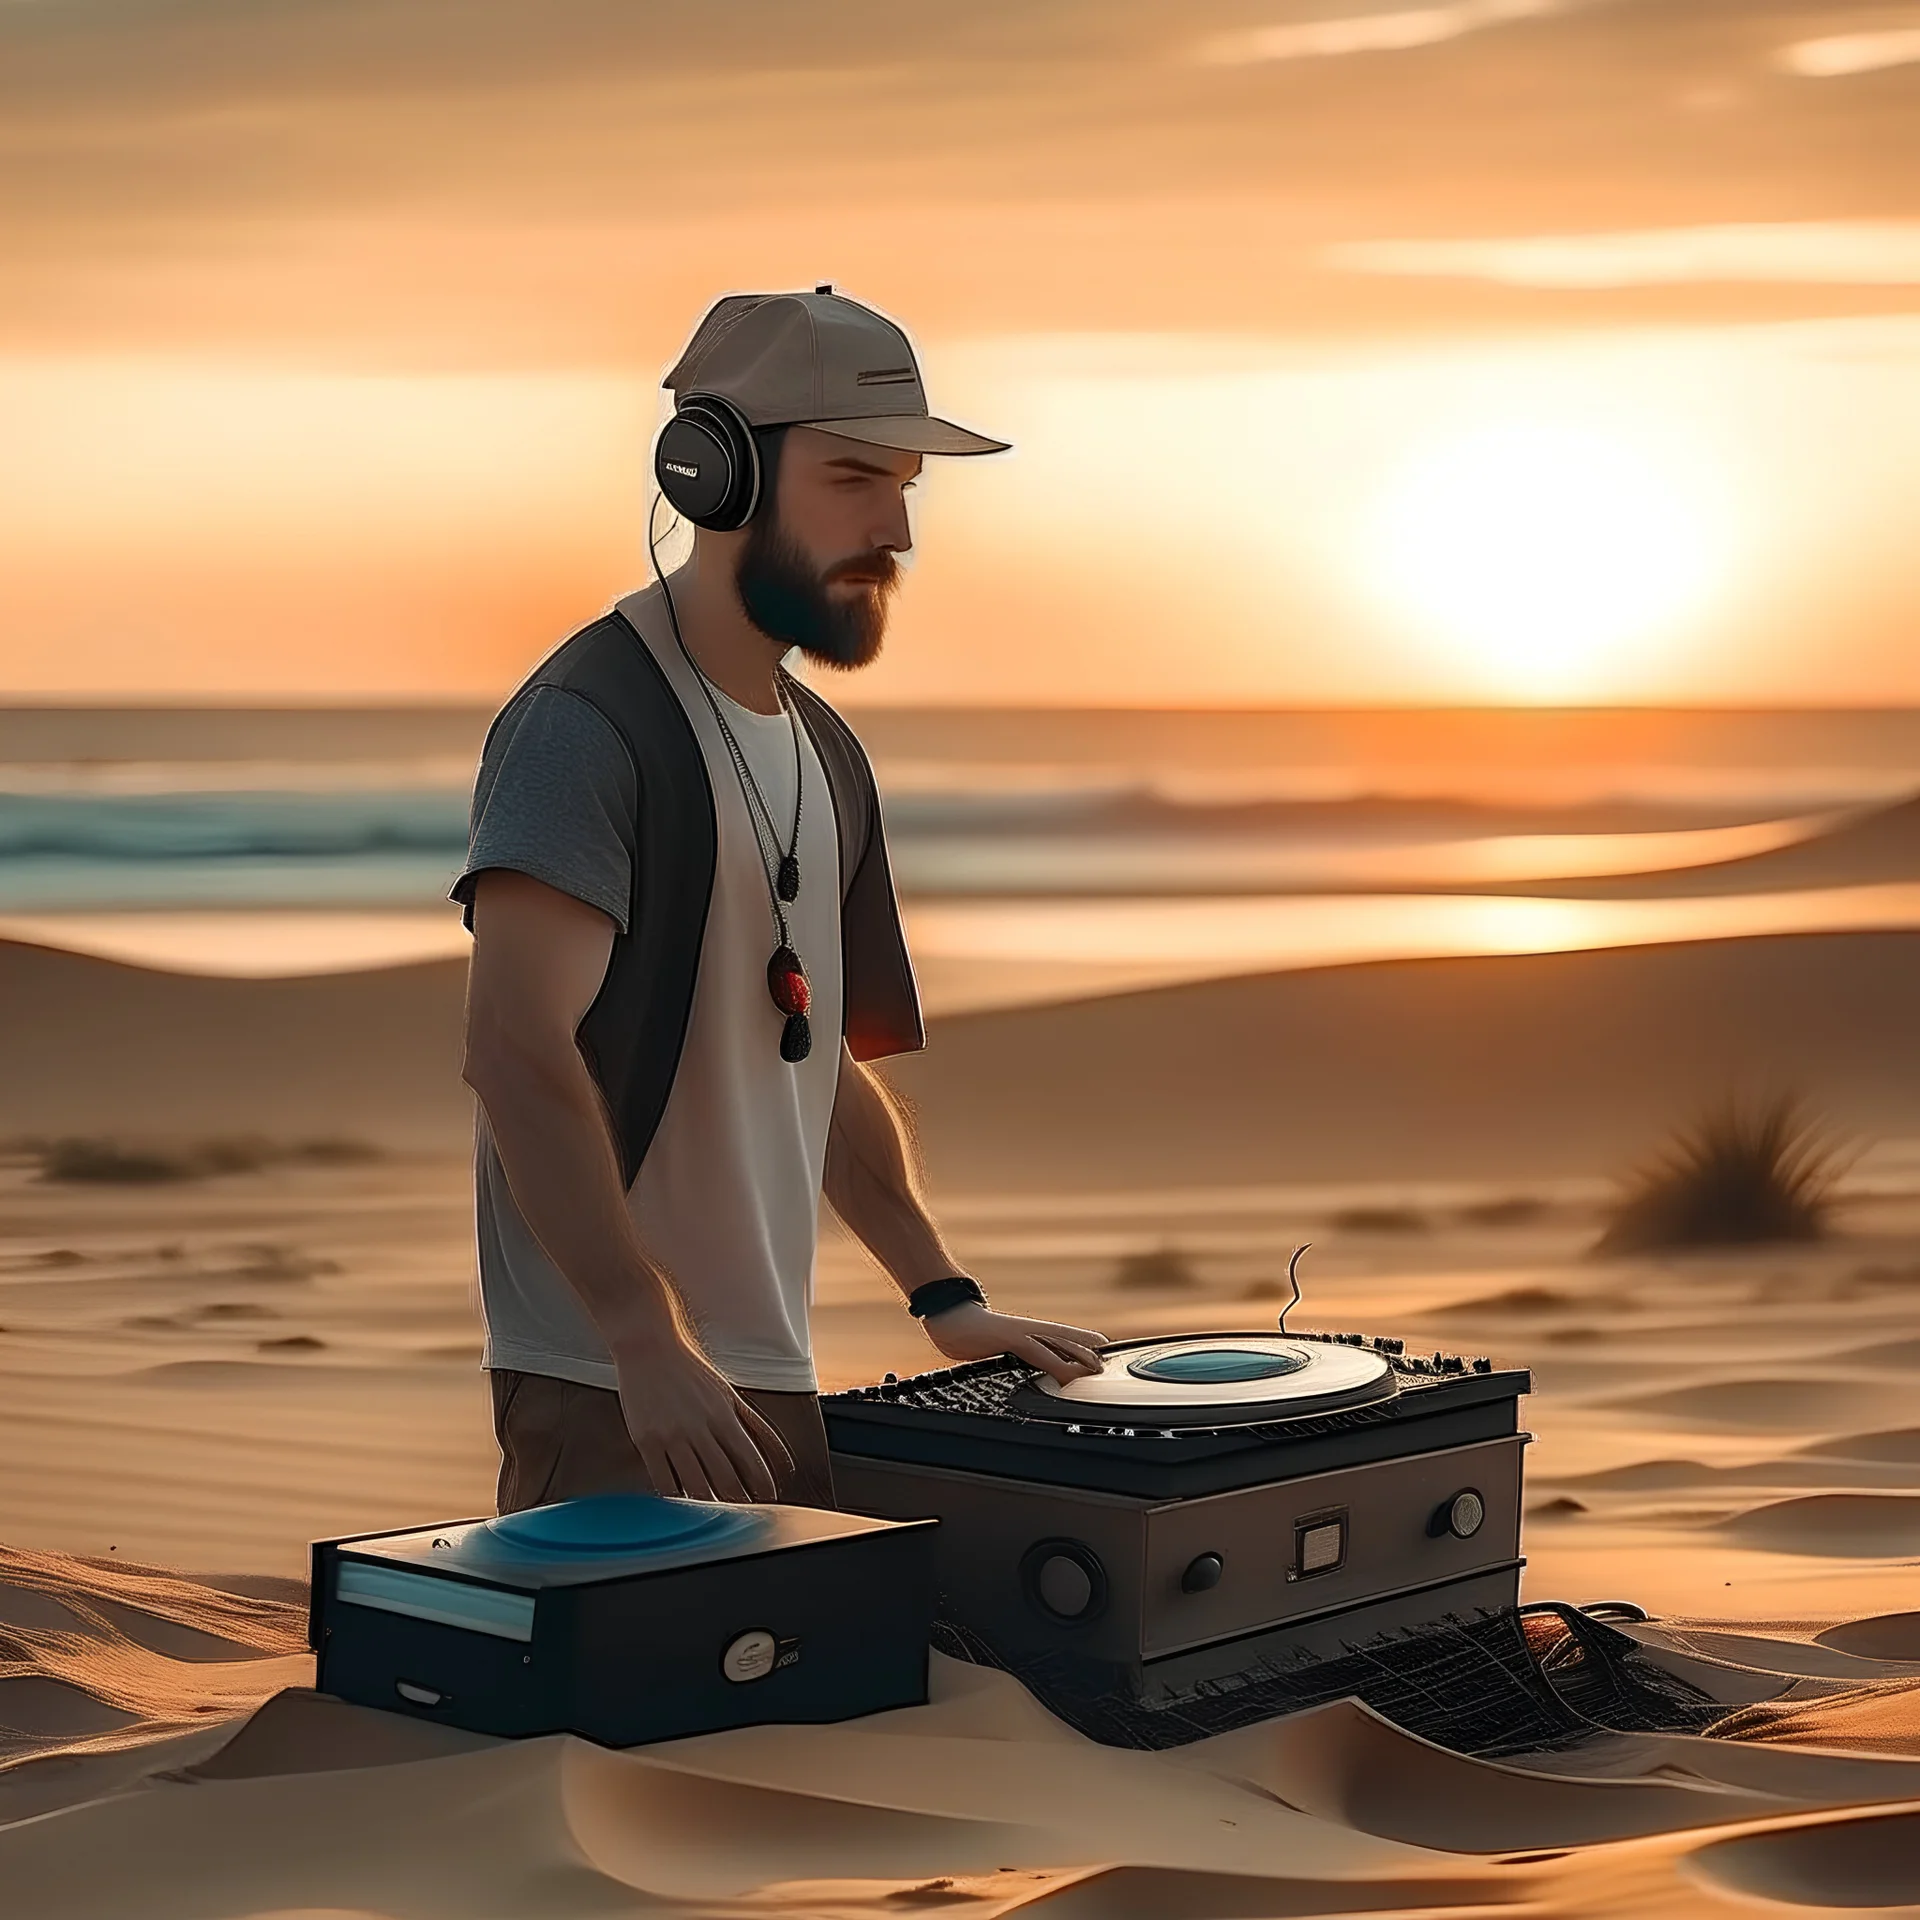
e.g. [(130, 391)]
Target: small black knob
[(1065, 1581), (1203, 1573)]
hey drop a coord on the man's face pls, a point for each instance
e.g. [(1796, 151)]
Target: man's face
[(817, 567)]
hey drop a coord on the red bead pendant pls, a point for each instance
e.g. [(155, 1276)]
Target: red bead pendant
[(787, 982)]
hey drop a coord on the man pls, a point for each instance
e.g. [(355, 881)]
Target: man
[(686, 945)]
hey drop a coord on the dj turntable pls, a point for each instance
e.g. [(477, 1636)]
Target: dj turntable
[(626, 1617), (1203, 1506)]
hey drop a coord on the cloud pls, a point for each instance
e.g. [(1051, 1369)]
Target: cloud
[(1871, 253), (1837, 55), (1365, 32)]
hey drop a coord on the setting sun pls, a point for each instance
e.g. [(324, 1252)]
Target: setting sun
[(1543, 557)]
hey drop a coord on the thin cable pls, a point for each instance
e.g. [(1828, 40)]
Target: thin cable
[(767, 843)]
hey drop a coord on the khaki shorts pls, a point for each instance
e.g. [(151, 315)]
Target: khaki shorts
[(560, 1440)]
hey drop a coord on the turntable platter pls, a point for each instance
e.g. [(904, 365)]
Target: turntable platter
[(1215, 1380)]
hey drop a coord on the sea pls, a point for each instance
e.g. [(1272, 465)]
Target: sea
[(1040, 854)]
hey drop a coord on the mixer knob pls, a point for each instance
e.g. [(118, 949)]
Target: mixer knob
[(1065, 1580), (1462, 1516), (1203, 1573), (1483, 1365)]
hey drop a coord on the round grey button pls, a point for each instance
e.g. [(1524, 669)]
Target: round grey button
[(1066, 1588), (749, 1656), (1465, 1513)]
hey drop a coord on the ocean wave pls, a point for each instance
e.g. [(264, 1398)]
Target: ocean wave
[(229, 826)]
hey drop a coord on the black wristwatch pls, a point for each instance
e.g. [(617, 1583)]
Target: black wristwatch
[(937, 1296)]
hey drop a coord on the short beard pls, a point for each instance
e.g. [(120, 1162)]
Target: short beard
[(784, 595)]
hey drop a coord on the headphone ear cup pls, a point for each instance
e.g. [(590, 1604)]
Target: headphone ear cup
[(707, 464)]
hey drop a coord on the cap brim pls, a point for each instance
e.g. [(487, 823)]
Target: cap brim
[(910, 433)]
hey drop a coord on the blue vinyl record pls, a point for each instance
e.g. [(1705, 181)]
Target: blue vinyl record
[(622, 1524)]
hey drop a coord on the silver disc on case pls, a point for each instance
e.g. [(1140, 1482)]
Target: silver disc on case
[(1218, 1379)]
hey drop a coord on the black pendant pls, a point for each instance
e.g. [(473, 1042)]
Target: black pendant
[(796, 1039), (787, 882)]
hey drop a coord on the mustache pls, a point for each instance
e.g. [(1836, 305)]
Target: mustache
[(878, 565)]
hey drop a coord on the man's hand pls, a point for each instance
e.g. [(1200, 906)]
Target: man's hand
[(694, 1433), (974, 1332)]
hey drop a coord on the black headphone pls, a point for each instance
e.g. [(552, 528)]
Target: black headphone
[(707, 463)]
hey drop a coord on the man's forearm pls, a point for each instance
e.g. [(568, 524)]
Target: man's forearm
[(551, 1133), (873, 1183)]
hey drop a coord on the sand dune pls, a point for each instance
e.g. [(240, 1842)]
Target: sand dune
[(1790, 1403), (1875, 1858), (975, 1803), (1510, 1067), (1901, 1448), (94, 1047), (1346, 1764), (1880, 844), (1836, 1523), (1518, 1068), (1888, 1636), (212, 1372)]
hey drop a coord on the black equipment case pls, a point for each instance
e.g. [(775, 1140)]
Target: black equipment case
[(625, 1618)]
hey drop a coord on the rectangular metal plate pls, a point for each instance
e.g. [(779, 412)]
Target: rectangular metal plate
[(1267, 1538), (448, 1603)]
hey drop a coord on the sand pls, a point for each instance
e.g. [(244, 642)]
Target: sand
[(207, 1373), (1512, 1068)]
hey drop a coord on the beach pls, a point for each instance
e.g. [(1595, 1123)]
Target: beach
[(237, 1315)]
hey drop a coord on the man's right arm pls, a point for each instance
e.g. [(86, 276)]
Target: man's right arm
[(539, 957)]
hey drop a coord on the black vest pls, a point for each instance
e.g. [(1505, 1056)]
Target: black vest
[(633, 1033)]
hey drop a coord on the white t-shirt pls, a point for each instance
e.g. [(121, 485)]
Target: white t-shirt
[(727, 1199)]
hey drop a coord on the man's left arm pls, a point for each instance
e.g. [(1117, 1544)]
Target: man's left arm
[(873, 1184)]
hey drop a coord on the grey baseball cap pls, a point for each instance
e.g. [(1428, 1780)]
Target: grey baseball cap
[(818, 360)]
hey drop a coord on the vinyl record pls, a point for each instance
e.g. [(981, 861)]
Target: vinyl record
[(1214, 1379)]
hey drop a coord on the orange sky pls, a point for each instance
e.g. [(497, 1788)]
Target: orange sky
[(330, 335)]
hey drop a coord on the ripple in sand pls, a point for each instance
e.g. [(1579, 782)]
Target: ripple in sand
[(1886, 1636), (1901, 1447), (1841, 1525), (1863, 1860), (1808, 1405), (1901, 1354)]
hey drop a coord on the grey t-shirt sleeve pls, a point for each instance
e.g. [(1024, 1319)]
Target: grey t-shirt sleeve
[(555, 799)]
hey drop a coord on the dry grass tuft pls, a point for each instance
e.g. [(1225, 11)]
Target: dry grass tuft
[(1739, 1176)]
